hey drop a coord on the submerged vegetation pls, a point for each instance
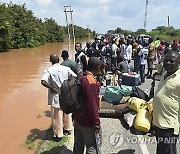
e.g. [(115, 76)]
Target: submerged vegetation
[(19, 28)]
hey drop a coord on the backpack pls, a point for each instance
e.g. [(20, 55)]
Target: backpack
[(70, 97)]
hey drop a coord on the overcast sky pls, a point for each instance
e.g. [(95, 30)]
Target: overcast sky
[(102, 15)]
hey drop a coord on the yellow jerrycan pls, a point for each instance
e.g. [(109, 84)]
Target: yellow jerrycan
[(150, 107), (135, 103), (143, 120)]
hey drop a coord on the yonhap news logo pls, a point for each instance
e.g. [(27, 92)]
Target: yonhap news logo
[(117, 139)]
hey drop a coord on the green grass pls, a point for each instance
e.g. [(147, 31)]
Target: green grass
[(49, 146), (46, 145)]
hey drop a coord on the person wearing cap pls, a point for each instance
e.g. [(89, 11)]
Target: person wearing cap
[(68, 62), (87, 121)]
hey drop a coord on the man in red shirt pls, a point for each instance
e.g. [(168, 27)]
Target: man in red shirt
[(87, 121)]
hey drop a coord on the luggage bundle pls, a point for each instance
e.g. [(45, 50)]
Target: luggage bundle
[(130, 79), (114, 94)]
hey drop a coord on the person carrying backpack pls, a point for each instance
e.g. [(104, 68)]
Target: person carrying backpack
[(86, 120), (52, 79)]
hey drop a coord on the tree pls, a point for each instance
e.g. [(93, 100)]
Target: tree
[(5, 28), (140, 31), (19, 28)]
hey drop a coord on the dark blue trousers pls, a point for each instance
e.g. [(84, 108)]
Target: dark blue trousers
[(142, 72)]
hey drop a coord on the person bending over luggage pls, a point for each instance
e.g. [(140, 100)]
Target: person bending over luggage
[(87, 121), (122, 66)]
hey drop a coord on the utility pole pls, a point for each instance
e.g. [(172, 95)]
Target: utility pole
[(69, 36), (168, 22), (145, 20), (67, 10), (88, 33), (72, 23)]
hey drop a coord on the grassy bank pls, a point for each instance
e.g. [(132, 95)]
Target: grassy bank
[(47, 145)]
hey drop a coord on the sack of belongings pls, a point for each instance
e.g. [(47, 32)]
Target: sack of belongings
[(114, 94)]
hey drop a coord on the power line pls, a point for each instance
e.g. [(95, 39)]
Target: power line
[(53, 5)]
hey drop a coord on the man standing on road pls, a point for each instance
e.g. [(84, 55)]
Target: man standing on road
[(52, 79), (114, 53), (80, 58), (87, 121), (127, 53), (143, 54), (166, 113), (69, 63), (151, 58)]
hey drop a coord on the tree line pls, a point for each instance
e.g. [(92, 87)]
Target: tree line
[(19, 28), (163, 32)]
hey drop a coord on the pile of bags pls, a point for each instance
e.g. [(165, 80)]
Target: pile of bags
[(114, 94), (140, 115)]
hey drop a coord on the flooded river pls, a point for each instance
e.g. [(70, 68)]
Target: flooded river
[(23, 100)]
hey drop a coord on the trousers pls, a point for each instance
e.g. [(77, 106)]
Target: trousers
[(84, 136), (166, 141)]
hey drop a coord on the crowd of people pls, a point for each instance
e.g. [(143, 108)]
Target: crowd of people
[(117, 53), (114, 54)]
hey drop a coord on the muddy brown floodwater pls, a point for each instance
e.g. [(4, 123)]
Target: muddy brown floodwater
[(23, 100)]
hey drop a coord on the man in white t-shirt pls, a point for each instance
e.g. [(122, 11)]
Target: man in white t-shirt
[(127, 53), (52, 79), (143, 54), (114, 53)]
